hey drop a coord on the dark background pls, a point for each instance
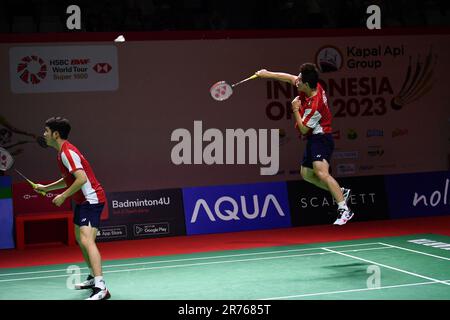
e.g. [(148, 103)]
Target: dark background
[(313, 206), (26, 16)]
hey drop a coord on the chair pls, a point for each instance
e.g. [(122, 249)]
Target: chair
[(30, 207)]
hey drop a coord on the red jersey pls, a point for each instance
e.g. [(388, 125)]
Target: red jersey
[(71, 160), (315, 113)]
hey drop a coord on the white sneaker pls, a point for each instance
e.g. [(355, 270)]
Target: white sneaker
[(344, 216), (346, 193), (86, 284), (99, 294)]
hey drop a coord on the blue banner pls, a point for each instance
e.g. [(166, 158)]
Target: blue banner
[(418, 194), (236, 208), (6, 214), (5, 182)]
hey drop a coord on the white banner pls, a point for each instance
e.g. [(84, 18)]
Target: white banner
[(388, 96), (63, 69)]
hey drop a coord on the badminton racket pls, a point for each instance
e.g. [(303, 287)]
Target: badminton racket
[(222, 90), (32, 184), (6, 163)]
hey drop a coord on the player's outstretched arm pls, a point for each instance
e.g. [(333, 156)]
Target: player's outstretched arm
[(52, 186), (280, 76)]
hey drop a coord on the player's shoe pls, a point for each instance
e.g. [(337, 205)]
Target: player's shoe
[(346, 193), (86, 284), (99, 294), (344, 216)]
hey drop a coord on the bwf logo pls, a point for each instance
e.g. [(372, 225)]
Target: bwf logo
[(236, 207), (32, 69), (221, 147)]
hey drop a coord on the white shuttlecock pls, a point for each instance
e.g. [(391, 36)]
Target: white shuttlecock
[(120, 38)]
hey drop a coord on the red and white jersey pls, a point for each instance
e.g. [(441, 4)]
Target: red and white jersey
[(71, 160), (315, 113)]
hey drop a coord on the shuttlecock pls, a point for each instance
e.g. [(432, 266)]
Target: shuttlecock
[(120, 38)]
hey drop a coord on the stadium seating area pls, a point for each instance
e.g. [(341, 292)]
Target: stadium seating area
[(25, 16)]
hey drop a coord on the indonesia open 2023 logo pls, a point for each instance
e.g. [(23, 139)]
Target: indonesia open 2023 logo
[(32, 69)]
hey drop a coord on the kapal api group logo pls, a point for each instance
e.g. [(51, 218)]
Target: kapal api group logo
[(417, 71), (329, 59)]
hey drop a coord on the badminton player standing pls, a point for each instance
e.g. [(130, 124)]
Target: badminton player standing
[(313, 119), (88, 195)]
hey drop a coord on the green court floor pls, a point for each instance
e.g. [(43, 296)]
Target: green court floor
[(381, 268)]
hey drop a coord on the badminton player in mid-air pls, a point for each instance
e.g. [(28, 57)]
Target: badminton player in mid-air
[(89, 196), (313, 119)]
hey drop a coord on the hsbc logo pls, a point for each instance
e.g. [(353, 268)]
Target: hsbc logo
[(102, 67), (236, 208), (66, 68)]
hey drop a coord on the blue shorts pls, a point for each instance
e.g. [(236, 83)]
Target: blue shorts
[(88, 214), (318, 147)]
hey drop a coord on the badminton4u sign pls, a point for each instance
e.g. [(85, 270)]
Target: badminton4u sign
[(63, 69)]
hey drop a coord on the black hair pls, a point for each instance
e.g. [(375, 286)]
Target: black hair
[(59, 124), (309, 74)]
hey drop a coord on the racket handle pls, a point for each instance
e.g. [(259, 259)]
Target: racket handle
[(249, 78), (33, 185)]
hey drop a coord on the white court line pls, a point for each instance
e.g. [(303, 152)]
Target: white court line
[(420, 252), (352, 290), (201, 263), (192, 259), (389, 267)]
